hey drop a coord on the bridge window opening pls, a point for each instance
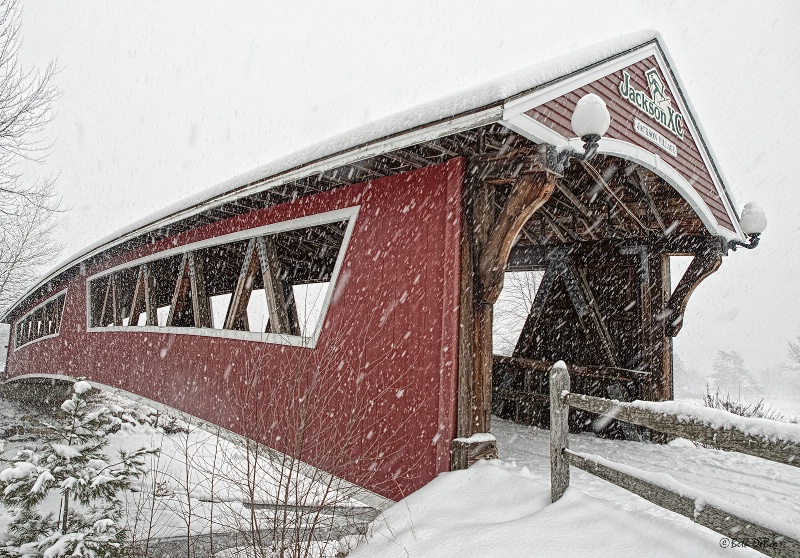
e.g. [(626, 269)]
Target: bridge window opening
[(274, 284), (512, 309), (677, 268), (219, 309), (42, 322), (310, 299), (257, 311)]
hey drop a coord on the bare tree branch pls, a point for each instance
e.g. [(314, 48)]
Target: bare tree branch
[(27, 207)]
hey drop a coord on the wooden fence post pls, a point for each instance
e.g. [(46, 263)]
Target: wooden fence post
[(559, 428)]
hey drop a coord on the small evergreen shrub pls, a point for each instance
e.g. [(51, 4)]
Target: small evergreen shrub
[(70, 460)]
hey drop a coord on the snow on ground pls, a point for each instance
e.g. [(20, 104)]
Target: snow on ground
[(496, 508), (198, 480), (502, 507)]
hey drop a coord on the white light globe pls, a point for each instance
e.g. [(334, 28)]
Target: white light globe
[(753, 220), (591, 116)]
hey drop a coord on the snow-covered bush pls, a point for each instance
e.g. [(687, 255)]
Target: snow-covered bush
[(71, 461), (738, 407)]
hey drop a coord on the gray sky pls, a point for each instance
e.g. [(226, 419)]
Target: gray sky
[(162, 99)]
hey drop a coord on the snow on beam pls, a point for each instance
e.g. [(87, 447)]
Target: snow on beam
[(759, 437)]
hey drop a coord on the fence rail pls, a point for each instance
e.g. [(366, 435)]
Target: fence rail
[(688, 502), (732, 439)]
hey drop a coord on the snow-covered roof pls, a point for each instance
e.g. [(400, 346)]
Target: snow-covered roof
[(478, 105)]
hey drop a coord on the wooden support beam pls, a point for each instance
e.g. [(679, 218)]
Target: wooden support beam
[(645, 312), (143, 294), (525, 365), (408, 158), (201, 306), (560, 233), (702, 265), (656, 346), (529, 193), (280, 300), (482, 222), (527, 258), (612, 195), (116, 302), (236, 318), (596, 316), (644, 188), (107, 301), (179, 297), (573, 199)]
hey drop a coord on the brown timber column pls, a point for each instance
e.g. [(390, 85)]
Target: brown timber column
[(487, 239), (659, 347)]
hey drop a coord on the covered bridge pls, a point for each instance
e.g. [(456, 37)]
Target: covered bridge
[(337, 305)]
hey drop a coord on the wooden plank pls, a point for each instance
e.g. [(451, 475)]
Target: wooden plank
[(236, 318), (559, 428), (742, 530), (143, 293), (578, 204), (273, 286), (731, 439), (181, 290), (201, 305)]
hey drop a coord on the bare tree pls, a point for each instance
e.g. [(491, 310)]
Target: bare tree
[(27, 207)]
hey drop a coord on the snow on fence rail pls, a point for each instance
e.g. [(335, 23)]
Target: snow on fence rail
[(757, 437)]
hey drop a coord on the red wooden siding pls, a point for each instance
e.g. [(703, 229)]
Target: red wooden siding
[(382, 376), (556, 115)]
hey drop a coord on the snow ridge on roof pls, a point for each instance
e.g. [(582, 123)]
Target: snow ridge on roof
[(491, 93)]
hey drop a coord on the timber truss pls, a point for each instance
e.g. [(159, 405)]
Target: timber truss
[(602, 234)]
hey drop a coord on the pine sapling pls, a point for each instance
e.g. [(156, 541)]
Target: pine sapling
[(71, 460)]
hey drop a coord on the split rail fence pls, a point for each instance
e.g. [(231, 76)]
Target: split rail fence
[(674, 496)]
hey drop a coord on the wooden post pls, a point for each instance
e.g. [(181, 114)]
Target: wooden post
[(559, 428)]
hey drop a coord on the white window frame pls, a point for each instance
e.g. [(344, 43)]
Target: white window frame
[(349, 213), (49, 299)]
